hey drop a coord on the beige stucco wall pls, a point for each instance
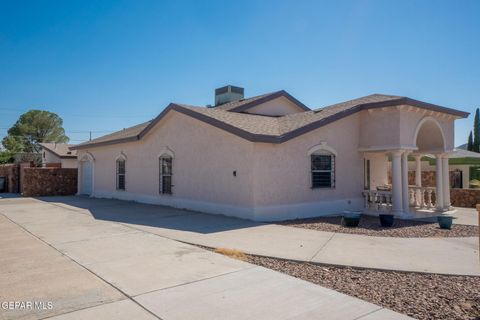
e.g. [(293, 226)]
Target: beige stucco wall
[(395, 127), (204, 160), (276, 107), (69, 163), (283, 177), (49, 157), (379, 128), (379, 167)]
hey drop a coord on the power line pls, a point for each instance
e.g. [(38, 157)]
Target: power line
[(89, 115), (76, 131)]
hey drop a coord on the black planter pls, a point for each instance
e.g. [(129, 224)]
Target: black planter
[(386, 220), (350, 221)]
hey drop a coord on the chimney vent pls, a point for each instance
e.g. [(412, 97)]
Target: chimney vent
[(228, 94)]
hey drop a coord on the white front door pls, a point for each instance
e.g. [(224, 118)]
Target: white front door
[(87, 181)]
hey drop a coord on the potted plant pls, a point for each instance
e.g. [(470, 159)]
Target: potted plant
[(351, 219), (386, 220), (445, 221)]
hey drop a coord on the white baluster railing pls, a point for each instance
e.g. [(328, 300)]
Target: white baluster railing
[(421, 197), (377, 200)]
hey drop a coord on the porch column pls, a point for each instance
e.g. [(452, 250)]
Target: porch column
[(439, 178), (405, 195), (418, 171), (397, 202), (446, 183), (418, 180)]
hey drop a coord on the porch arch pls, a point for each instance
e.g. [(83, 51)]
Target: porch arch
[(429, 136)]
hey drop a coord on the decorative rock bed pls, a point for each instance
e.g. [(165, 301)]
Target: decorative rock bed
[(422, 296), (370, 226)]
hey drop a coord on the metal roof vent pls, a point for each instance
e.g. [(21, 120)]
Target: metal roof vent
[(228, 94)]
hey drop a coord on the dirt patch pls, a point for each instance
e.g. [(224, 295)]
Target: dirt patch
[(370, 226), (421, 296)]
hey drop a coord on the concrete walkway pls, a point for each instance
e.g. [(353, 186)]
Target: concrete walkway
[(456, 256), (97, 268)]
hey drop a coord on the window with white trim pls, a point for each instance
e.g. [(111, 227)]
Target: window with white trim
[(121, 171), (322, 170), (165, 164)]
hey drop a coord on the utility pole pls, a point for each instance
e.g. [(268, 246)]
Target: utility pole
[(90, 135)]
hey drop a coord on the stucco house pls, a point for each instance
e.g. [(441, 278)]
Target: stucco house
[(270, 157), (58, 155)]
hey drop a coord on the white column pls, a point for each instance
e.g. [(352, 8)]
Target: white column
[(418, 180), (439, 178), (405, 195), (418, 171), (446, 183), (397, 202)]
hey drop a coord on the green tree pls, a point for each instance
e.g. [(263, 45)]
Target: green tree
[(470, 142), (6, 156), (33, 127), (476, 131)]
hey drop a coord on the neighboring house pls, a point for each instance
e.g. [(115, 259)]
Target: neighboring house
[(461, 162), (270, 157), (58, 155), (28, 157)]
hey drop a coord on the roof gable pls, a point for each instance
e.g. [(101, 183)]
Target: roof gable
[(246, 104), (277, 107)]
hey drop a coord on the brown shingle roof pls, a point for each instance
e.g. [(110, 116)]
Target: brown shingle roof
[(61, 150), (260, 128), (245, 104), (235, 104), (124, 135)]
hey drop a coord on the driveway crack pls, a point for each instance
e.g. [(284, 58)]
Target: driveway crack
[(321, 247)]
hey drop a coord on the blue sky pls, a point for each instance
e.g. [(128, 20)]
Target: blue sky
[(105, 65)]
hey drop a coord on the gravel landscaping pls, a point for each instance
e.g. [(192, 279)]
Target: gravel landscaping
[(421, 296), (370, 226)]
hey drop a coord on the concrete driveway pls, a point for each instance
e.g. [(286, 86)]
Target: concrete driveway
[(457, 256), (77, 258)]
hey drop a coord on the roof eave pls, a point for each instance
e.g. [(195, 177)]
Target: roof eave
[(104, 143), (414, 103)]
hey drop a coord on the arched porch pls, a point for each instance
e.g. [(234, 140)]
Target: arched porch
[(394, 194)]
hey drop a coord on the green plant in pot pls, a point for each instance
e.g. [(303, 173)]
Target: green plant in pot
[(351, 219)]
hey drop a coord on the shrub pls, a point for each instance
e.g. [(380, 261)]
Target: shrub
[(232, 253)]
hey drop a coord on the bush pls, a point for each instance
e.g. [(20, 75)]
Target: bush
[(232, 253), (474, 183), (6, 157)]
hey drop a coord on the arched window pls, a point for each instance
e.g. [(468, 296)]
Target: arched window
[(322, 166), (165, 181), (121, 171)]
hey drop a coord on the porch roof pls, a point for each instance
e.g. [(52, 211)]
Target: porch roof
[(459, 153)]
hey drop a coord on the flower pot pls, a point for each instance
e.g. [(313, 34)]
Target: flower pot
[(445, 222), (386, 220), (350, 219)]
